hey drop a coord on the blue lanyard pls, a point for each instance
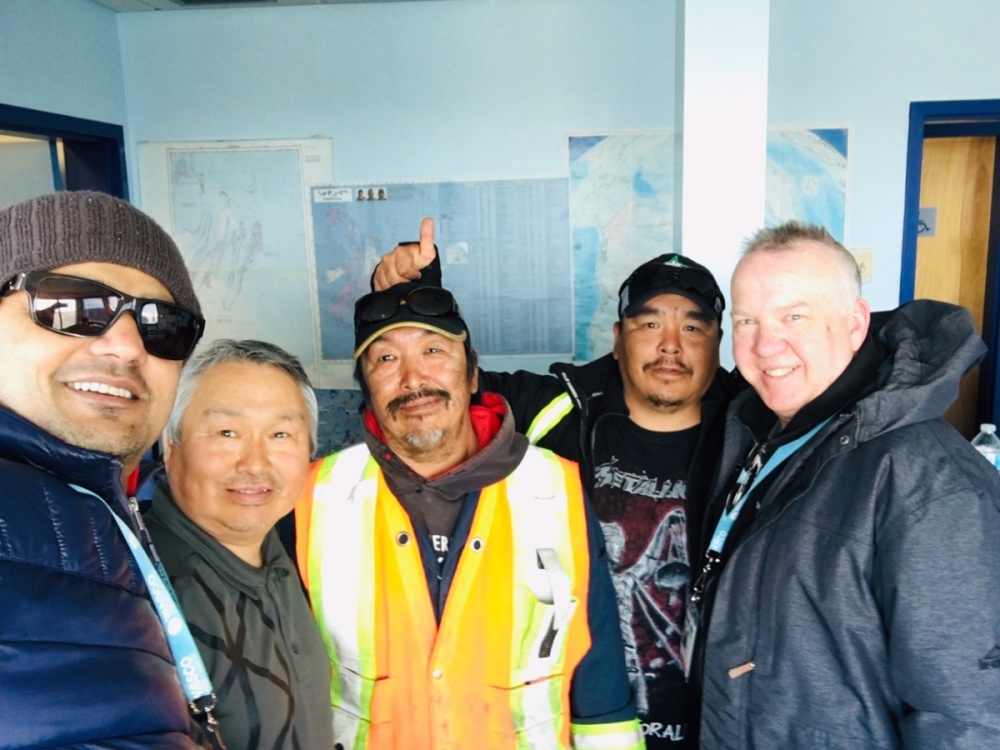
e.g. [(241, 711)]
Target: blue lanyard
[(729, 517), (194, 677)]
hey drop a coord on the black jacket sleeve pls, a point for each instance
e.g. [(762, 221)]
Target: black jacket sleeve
[(528, 393)]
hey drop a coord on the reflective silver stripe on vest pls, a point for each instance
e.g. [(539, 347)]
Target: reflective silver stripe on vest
[(550, 415), (543, 548), (624, 735), (339, 502)]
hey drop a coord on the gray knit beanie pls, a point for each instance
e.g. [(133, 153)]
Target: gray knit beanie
[(62, 228)]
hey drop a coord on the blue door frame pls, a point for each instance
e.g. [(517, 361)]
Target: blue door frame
[(95, 151), (952, 120)]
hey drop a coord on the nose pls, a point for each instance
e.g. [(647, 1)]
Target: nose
[(121, 340), (412, 374), (767, 340), (253, 457), (670, 340)]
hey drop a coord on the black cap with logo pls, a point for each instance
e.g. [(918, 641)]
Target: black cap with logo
[(671, 273)]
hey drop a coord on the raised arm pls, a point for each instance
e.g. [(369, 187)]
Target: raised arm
[(408, 261)]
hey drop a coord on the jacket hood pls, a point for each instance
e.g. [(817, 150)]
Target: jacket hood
[(500, 451), (929, 346)]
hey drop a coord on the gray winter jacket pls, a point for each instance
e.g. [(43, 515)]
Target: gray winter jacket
[(866, 593)]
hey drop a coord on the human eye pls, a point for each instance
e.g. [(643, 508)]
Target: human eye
[(226, 432), (439, 345)]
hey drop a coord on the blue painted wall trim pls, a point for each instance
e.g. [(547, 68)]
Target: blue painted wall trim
[(51, 125), (935, 120), (989, 371), (57, 180), (951, 119), (911, 205)]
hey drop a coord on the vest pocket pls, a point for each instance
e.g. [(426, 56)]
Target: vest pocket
[(530, 702), (352, 704), (536, 712)]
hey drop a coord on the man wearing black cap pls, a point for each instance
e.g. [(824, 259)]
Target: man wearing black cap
[(645, 425), (97, 313), (458, 574)]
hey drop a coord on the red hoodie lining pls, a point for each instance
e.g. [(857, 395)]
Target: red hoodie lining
[(486, 418)]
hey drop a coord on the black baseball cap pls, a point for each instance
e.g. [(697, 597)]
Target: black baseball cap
[(409, 305), (671, 273)]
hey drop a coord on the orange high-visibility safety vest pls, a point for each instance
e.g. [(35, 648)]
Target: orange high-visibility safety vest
[(497, 672)]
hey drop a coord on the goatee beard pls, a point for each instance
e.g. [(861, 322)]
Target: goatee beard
[(669, 404)]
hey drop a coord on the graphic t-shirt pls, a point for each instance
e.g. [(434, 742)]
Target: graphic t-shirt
[(640, 488)]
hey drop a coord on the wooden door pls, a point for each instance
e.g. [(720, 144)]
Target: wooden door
[(957, 179)]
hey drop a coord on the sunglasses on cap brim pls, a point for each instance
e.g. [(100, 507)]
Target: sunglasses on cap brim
[(657, 276), (430, 301), (84, 308)]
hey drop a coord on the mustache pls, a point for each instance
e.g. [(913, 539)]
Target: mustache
[(667, 362), (398, 403)]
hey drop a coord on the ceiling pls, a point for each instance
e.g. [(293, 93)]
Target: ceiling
[(132, 5)]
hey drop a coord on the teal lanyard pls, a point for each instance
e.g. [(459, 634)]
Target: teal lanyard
[(725, 525), (194, 677)]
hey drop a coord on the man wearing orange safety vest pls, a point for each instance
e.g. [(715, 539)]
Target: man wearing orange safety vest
[(458, 575)]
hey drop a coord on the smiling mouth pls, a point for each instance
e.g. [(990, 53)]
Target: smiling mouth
[(779, 372), (250, 495), (103, 388)]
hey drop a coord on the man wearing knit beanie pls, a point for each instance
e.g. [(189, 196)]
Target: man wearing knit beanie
[(97, 314)]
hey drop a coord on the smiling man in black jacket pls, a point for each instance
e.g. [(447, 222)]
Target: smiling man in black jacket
[(849, 597), (645, 424)]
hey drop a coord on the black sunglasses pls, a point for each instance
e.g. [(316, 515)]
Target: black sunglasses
[(431, 301), (84, 308)]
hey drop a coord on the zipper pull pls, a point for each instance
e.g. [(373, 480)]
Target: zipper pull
[(133, 506), (144, 536)]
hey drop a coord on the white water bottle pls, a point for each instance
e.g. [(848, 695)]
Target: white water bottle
[(988, 444)]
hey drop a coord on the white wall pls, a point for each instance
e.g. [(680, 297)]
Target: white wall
[(446, 89), (725, 132), (61, 56), (861, 63)]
